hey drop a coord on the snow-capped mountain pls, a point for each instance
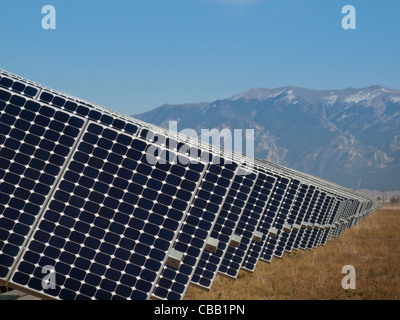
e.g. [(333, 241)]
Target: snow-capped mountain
[(350, 136)]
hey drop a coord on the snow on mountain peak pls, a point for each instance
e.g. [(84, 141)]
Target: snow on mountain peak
[(330, 100), (263, 94), (395, 99), (363, 96), (258, 94)]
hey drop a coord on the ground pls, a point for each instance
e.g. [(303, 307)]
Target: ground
[(372, 247)]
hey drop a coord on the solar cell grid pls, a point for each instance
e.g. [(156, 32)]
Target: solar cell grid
[(18, 87), (320, 229), (34, 143), (196, 229), (300, 216), (288, 196), (248, 224), (298, 193), (110, 223), (90, 112), (306, 215), (271, 210), (317, 203), (322, 211), (227, 220)]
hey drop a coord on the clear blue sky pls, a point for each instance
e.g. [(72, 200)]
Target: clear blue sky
[(134, 55)]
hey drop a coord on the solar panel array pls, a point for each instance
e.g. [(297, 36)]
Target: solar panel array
[(122, 209)]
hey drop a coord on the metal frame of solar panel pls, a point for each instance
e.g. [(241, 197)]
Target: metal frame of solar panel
[(144, 229)]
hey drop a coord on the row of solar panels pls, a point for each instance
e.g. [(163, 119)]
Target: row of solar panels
[(121, 209)]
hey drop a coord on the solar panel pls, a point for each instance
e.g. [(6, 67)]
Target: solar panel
[(247, 225), (35, 142), (294, 219), (288, 195), (312, 237), (122, 209), (295, 194), (306, 213), (301, 213), (193, 235), (111, 220), (226, 223), (265, 226), (307, 232)]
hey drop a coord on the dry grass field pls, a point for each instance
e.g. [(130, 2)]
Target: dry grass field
[(372, 247)]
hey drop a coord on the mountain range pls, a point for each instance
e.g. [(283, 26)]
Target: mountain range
[(350, 136)]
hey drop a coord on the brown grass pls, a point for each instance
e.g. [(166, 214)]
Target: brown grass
[(372, 247)]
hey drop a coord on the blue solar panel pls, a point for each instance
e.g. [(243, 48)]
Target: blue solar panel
[(271, 211), (248, 224), (110, 222), (301, 208), (228, 218), (291, 187), (35, 141), (196, 229)]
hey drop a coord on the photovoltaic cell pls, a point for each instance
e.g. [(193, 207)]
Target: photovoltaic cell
[(271, 211), (313, 232), (35, 140), (89, 112), (288, 227), (109, 225), (291, 220), (318, 231), (224, 227), (301, 206), (196, 229), (307, 232), (288, 193), (18, 87), (248, 224)]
